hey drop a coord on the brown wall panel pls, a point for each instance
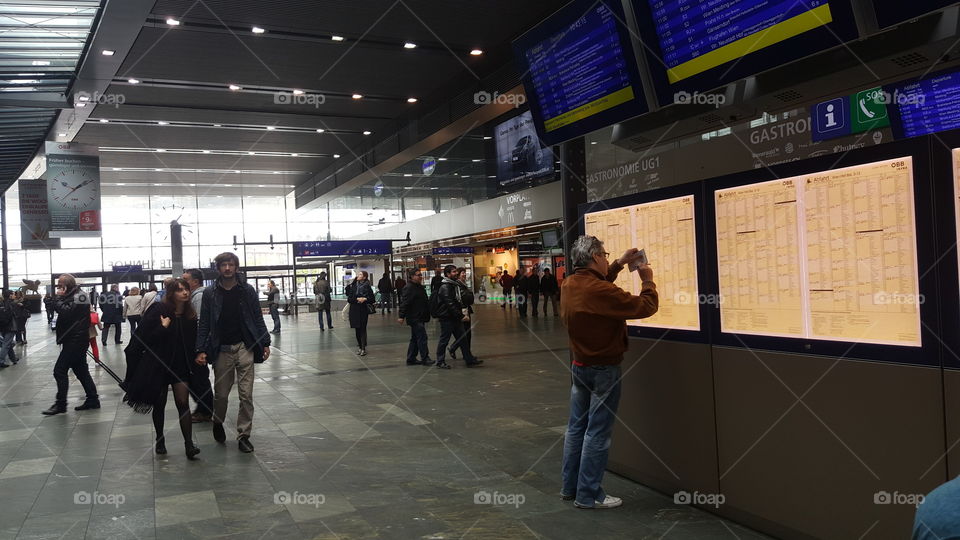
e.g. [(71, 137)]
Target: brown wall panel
[(815, 466), (667, 402), (951, 389)]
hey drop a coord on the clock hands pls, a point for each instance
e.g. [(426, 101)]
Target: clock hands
[(85, 182)]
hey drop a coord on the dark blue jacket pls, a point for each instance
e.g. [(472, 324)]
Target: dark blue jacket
[(255, 335)]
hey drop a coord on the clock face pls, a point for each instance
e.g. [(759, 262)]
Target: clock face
[(75, 189)]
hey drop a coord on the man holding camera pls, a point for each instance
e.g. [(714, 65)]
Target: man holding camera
[(595, 312)]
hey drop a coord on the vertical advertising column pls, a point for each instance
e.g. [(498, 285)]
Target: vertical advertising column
[(73, 190)]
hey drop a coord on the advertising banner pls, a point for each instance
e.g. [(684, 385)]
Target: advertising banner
[(73, 190), (34, 216), (520, 156)]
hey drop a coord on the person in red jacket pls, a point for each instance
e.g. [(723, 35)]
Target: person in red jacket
[(595, 312)]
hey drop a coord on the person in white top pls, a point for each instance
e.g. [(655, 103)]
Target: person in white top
[(133, 308), (148, 297)]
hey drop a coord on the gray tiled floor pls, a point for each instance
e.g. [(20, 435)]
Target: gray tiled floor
[(346, 447)]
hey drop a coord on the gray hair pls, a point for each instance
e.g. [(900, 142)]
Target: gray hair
[(583, 250)]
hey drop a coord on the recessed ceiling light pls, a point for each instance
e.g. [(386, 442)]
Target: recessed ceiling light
[(234, 87), (81, 104), (122, 184), (229, 185), (61, 134), (367, 132), (487, 137), (173, 22), (160, 150), (193, 185), (297, 92), (337, 38), (261, 185), (476, 52), (409, 45), (411, 100), (441, 159), (206, 151), (434, 188), (476, 160), (41, 62), (83, 98), (271, 128), (157, 184), (219, 196), (116, 168), (319, 131), (103, 120), (357, 96), (257, 30), (593, 142), (294, 155), (158, 170), (216, 125), (250, 153), (335, 156), (133, 81), (276, 172), (162, 123), (108, 52), (407, 174)]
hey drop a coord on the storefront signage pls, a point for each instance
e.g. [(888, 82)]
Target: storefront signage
[(342, 247), (453, 250)]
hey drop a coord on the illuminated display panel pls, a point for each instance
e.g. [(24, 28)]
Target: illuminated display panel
[(667, 232), (846, 271)]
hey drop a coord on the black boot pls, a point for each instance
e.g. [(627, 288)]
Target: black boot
[(88, 404), (161, 447), (56, 408), (192, 450)]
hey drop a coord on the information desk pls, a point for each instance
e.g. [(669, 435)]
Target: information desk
[(666, 230)]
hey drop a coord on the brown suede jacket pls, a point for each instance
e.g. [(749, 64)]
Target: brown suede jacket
[(595, 312)]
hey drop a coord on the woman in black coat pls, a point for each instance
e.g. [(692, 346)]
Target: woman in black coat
[(360, 296), (168, 332)]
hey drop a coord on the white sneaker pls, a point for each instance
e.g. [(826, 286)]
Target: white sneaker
[(607, 502)]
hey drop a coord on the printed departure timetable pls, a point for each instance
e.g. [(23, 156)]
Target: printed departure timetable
[(828, 256), (758, 253), (930, 105), (580, 71), (667, 232), (698, 35)]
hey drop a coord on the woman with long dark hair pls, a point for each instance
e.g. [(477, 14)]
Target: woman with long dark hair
[(360, 296), (168, 333)]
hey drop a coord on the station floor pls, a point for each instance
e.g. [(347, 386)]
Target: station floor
[(355, 448)]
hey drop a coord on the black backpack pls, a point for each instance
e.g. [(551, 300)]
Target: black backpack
[(6, 314), (435, 304)]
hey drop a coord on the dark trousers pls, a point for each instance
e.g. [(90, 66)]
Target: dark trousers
[(320, 312), (464, 344), (534, 302), (50, 313), (361, 337), (106, 332), (134, 320), (386, 302), (455, 329), (418, 342), (75, 358), (522, 300), (21, 331), (275, 315), (201, 390)]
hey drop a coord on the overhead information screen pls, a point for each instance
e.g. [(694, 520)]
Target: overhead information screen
[(828, 256), (926, 106), (703, 44), (667, 232), (580, 73), (891, 12)]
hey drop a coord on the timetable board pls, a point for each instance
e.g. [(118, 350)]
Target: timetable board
[(830, 256), (666, 230)]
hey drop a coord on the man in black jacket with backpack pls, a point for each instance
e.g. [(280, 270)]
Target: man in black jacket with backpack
[(415, 311), (452, 314), (73, 334)]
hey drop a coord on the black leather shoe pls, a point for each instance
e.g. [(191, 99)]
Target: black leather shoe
[(452, 354), (443, 365), (474, 363), (415, 363), (192, 451), (87, 405), (161, 447), (219, 434), (427, 362), (245, 445), (55, 409)]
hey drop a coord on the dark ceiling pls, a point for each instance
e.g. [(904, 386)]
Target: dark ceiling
[(181, 76)]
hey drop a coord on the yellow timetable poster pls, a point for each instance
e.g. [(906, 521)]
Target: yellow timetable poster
[(758, 253), (666, 231), (846, 271), (861, 254)]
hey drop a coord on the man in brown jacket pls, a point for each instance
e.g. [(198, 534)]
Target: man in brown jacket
[(595, 312)]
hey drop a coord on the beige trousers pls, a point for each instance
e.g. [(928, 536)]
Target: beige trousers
[(235, 363)]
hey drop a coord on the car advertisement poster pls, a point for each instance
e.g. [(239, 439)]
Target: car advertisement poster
[(73, 190), (520, 156)]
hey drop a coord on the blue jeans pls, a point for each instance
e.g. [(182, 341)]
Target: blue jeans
[(418, 342), (594, 397), (320, 313), (6, 348)]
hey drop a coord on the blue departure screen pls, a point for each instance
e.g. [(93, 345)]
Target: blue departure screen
[(698, 35), (926, 106), (579, 70)]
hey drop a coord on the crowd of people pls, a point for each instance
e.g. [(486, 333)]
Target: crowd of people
[(525, 289)]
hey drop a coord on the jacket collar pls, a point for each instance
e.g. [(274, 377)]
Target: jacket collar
[(590, 272), (241, 280)]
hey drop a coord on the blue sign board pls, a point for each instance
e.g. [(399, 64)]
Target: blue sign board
[(830, 119), (453, 250), (342, 247), (927, 105), (127, 268)]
